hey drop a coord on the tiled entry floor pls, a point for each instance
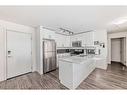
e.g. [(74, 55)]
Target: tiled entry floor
[(112, 78)]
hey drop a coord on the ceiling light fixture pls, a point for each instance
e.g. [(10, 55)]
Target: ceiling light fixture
[(65, 30)]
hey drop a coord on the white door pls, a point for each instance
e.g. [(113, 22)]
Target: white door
[(18, 53), (115, 50)]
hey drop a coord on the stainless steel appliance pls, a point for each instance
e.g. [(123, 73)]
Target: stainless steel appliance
[(76, 44), (49, 55)]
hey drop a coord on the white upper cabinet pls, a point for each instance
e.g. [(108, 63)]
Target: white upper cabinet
[(62, 40), (47, 34), (59, 40), (87, 39), (76, 38), (67, 41)]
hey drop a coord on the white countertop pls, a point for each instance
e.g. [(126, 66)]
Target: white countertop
[(70, 47), (78, 59)]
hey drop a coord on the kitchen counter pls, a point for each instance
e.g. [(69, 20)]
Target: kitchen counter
[(74, 69), (76, 59), (71, 47)]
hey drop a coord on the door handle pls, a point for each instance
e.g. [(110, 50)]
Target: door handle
[(9, 53)]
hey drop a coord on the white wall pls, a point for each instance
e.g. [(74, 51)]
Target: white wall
[(101, 36), (115, 50), (4, 26), (39, 50)]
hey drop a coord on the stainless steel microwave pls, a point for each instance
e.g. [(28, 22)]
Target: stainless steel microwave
[(76, 44)]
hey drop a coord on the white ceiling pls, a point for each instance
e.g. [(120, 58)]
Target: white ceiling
[(73, 18)]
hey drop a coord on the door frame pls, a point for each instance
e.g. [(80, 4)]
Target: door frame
[(6, 49), (116, 35)]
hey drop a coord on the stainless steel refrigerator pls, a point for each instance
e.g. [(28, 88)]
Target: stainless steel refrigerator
[(49, 55)]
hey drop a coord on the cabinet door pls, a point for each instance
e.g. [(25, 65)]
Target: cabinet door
[(89, 38), (77, 37), (48, 34), (67, 41), (85, 38), (62, 40), (58, 40)]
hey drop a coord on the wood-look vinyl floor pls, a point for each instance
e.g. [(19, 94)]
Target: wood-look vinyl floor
[(115, 77)]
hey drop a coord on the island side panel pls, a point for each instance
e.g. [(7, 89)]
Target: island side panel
[(81, 72), (66, 74)]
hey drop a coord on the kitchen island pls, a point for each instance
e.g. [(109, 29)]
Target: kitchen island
[(74, 69)]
